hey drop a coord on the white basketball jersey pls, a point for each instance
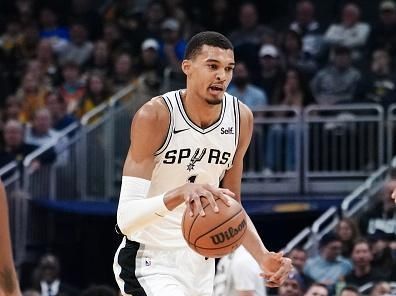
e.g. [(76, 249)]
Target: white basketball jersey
[(189, 154)]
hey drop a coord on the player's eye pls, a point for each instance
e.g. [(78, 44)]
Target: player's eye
[(212, 66), (229, 69)]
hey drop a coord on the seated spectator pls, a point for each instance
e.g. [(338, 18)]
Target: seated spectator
[(299, 257), (245, 91), (381, 288), (329, 266), (282, 139), (11, 38), (12, 109), (32, 95), (295, 57), (383, 262), (122, 75), (271, 73), (150, 70), (308, 28), (348, 232), (380, 218), (317, 289), (57, 106), (383, 35), (95, 94), (378, 85), (100, 60), (221, 18), (40, 132), (72, 88), (349, 291), (16, 149), (57, 35), (48, 63), (172, 45), (337, 82), (350, 32), (362, 272), (292, 286), (79, 49), (48, 278)]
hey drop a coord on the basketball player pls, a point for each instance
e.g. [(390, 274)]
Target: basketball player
[(184, 145), (8, 280)]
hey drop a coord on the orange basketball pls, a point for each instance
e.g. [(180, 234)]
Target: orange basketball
[(215, 234)]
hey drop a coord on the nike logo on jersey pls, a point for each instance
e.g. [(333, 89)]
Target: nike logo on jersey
[(179, 131)]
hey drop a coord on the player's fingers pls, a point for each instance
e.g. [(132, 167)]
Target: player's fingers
[(284, 270), (198, 204), (209, 196), (227, 192), (189, 204), (266, 275)]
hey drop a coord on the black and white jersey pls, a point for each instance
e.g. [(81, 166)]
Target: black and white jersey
[(189, 154)]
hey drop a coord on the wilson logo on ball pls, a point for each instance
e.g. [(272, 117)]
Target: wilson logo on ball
[(228, 234)]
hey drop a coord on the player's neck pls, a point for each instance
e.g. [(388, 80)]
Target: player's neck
[(199, 111)]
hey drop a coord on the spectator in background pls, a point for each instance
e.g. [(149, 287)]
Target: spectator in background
[(95, 94), (40, 132), (308, 28), (348, 232), (237, 275), (100, 60), (31, 38), (362, 272), (57, 106), (172, 45), (383, 262), (153, 18), (123, 74), (72, 89), (79, 49), (32, 95), (150, 70), (57, 35), (337, 82), (16, 149), (113, 38), (294, 55), (271, 73), (174, 10), (48, 281), (11, 38), (381, 217), (282, 139), (349, 291), (292, 286), (383, 35), (378, 85), (34, 67), (329, 266), (350, 32), (48, 63), (299, 257), (381, 288), (221, 17), (12, 110), (245, 91), (317, 289)]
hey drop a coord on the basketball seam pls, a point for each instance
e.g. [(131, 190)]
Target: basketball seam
[(217, 226)]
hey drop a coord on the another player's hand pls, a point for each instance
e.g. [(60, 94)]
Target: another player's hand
[(275, 268), (194, 192)]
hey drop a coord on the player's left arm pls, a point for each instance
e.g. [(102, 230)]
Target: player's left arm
[(252, 241)]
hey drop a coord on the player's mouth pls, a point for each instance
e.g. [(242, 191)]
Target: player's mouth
[(216, 89)]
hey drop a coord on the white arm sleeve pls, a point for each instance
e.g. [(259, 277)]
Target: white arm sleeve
[(135, 210)]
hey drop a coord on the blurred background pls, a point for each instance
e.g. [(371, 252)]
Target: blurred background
[(318, 75)]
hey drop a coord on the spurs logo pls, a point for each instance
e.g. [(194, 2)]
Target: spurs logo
[(195, 158)]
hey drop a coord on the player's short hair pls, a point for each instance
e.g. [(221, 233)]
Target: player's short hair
[(209, 38)]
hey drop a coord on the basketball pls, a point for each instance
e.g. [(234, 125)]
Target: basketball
[(216, 234)]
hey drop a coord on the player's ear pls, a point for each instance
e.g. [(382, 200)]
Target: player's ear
[(186, 66)]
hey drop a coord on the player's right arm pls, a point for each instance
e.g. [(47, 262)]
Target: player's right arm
[(8, 279), (148, 132)]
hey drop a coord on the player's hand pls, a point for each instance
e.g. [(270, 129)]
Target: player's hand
[(194, 192), (275, 268)]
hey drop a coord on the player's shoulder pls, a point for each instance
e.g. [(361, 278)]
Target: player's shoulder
[(153, 111)]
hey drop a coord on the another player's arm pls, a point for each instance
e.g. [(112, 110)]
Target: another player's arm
[(232, 181), (8, 279), (149, 129)]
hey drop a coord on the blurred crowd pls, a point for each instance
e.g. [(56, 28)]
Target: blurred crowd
[(61, 59)]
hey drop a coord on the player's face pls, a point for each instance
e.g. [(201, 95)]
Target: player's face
[(209, 73)]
